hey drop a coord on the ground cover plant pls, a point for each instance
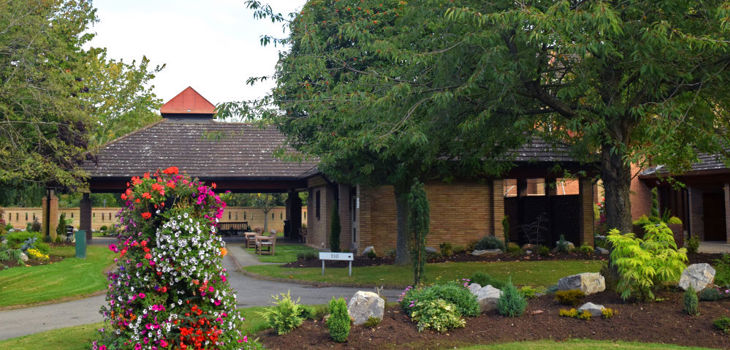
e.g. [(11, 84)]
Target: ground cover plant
[(286, 253), (171, 289), (69, 278), (534, 273)]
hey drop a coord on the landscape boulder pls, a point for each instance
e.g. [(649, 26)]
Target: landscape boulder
[(23, 257), (698, 276), (368, 249), (474, 288), (587, 282), (602, 251), (487, 297), (596, 310), (568, 244), (486, 251), (432, 250), (364, 305)]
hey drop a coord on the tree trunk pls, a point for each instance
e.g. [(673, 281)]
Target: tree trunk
[(616, 175), (402, 255)]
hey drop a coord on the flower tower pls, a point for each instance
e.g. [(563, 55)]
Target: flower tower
[(170, 290)]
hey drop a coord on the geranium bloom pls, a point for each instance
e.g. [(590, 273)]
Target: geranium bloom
[(146, 215), (113, 247), (171, 170)]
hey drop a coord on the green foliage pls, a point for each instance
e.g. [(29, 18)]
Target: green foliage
[(511, 303), (562, 245), (459, 249), (692, 245), (644, 265), (691, 302), (514, 249), (446, 249), (723, 324), (543, 251), (418, 225), (16, 239), (453, 292), (528, 292), (339, 321), (42, 247), (312, 312), (335, 229), (9, 254), (308, 255), (570, 297), (371, 254), (437, 314), (710, 294), (568, 313), (489, 242), (585, 315), (586, 249), (372, 322), (61, 228), (722, 271), (485, 279), (285, 315)]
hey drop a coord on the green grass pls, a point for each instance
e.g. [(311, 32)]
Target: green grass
[(577, 344), (285, 253), (534, 273), (65, 279)]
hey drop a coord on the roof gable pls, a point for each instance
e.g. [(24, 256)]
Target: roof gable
[(188, 102)]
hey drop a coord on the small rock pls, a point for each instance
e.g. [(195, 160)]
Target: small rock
[(596, 310), (474, 288), (486, 251), (364, 305), (431, 250), (602, 251), (588, 282), (568, 243), (698, 276), (487, 297), (368, 249), (23, 257), (537, 312)]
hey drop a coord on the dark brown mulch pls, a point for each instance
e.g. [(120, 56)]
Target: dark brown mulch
[(656, 322), (465, 257), (31, 262)]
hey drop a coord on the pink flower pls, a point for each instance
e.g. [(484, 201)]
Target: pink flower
[(113, 247), (163, 343), (102, 347), (141, 295)]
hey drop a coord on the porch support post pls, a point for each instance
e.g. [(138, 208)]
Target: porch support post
[(294, 214), (551, 186), (85, 215), (498, 208), (726, 189), (586, 211)]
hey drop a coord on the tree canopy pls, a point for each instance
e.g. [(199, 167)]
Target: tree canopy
[(55, 93)]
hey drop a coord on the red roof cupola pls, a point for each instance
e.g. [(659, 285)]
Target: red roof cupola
[(188, 103)]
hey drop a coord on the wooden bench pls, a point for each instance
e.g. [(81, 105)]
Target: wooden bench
[(233, 228), (266, 244)]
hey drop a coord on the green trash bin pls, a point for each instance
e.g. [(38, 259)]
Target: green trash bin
[(80, 236)]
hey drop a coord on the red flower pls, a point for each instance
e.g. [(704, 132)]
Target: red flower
[(124, 196), (213, 185), (146, 215), (171, 170), (146, 195)]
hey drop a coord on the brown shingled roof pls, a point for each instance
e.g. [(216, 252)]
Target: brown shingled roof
[(202, 148)]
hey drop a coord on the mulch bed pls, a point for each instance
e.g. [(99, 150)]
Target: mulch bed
[(32, 262), (655, 322), (361, 261)]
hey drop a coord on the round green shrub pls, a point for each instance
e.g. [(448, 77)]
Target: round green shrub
[(452, 292), (710, 294), (489, 242), (339, 321), (286, 315)]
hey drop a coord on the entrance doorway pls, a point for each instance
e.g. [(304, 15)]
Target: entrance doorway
[(713, 205)]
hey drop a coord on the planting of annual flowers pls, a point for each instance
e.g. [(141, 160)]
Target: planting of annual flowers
[(170, 291)]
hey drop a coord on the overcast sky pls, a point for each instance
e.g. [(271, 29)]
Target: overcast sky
[(211, 45)]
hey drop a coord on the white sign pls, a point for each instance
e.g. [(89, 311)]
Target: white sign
[(335, 256)]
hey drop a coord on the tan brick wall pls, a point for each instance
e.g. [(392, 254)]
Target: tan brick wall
[(318, 228), (460, 213), (497, 208), (640, 196), (586, 203), (726, 189)]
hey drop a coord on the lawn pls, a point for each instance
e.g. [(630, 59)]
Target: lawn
[(70, 278), (285, 253), (534, 273)]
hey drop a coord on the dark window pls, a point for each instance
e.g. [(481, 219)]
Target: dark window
[(316, 205), (272, 216), (229, 215), (244, 215), (26, 216), (281, 216), (354, 234), (72, 215)]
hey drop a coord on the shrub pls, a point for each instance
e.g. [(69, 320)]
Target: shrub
[(543, 250), (372, 322), (308, 255), (446, 249), (511, 303), (35, 226), (528, 292), (438, 315), (489, 242), (562, 245), (485, 279), (459, 249), (586, 249), (691, 303), (452, 292), (608, 313), (693, 243), (61, 228), (339, 321), (514, 249), (390, 253), (372, 254), (569, 297), (645, 264), (723, 324), (710, 294), (286, 315), (471, 246), (42, 247), (722, 271), (36, 254), (16, 239)]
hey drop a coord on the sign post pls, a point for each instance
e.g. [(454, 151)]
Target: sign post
[(337, 257)]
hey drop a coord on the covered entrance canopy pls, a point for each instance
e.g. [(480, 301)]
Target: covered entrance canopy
[(238, 157)]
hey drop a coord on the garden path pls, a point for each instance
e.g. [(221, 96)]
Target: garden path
[(250, 292)]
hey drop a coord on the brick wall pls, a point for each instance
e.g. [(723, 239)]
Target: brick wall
[(318, 227), (640, 196), (726, 189)]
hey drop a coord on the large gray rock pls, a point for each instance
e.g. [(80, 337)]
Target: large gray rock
[(368, 249), (23, 257), (364, 305), (588, 282), (474, 288), (487, 297), (486, 251), (602, 251), (698, 276), (596, 310), (432, 250)]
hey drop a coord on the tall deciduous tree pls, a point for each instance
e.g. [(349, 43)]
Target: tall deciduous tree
[(642, 81), (367, 87)]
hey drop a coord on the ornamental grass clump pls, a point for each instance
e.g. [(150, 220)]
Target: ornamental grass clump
[(339, 321), (170, 290)]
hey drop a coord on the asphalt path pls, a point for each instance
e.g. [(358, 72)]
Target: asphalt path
[(249, 291)]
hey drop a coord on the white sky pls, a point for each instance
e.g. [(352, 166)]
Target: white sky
[(211, 45)]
